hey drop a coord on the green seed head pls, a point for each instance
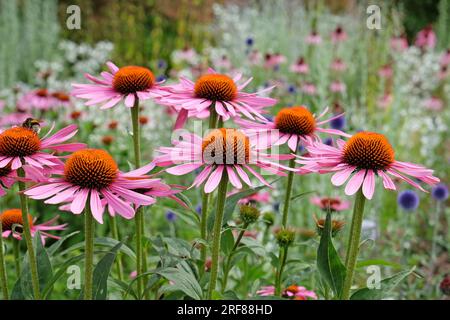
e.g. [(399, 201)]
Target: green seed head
[(248, 214), (285, 237)]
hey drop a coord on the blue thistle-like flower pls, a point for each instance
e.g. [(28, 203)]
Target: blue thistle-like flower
[(408, 200), (440, 192), (338, 123), (171, 216)]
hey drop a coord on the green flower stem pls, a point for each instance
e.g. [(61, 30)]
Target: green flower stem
[(205, 201), (16, 252), (281, 265), (353, 243), (139, 218), (3, 277), (227, 267), (287, 198), (28, 239), (217, 233), (115, 235), (88, 252)]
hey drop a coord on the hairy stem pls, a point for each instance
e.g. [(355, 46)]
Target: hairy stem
[(3, 276), (217, 233), (353, 243), (89, 252)]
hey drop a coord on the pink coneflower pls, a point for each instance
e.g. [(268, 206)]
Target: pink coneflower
[(433, 103), (194, 99), (223, 151), (332, 204), (364, 156), (309, 88), (445, 59), (39, 99), (12, 222), (61, 98), (338, 65), (93, 174), (273, 61), (385, 101), (293, 125), (257, 197), (299, 293), (8, 177), (14, 119), (22, 145), (426, 38), (126, 83), (254, 57), (223, 62), (292, 292), (386, 71), (337, 87), (443, 72), (187, 54), (399, 43), (266, 291), (338, 35), (313, 38), (300, 67)]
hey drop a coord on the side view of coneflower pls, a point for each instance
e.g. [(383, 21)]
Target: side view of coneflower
[(360, 160)]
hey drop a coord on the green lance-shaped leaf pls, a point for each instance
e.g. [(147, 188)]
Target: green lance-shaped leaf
[(330, 266), (23, 287), (385, 287), (101, 273), (183, 280)]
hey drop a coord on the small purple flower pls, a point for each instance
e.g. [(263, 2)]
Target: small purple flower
[(328, 141), (276, 206), (338, 123), (440, 192), (249, 41), (171, 216), (408, 200), (198, 209), (161, 78), (292, 89), (162, 64)]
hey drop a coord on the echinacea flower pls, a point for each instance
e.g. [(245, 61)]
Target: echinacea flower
[(266, 291), (338, 65), (14, 119), (433, 103), (12, 222), (426, 38), (336, 226), (399, 43), (93, 174), (218, 91), (313, 38), (292, 125), (408, 200), (257, 197), (127, 83), (386, 71), (330, 204), (39, 99), (222, 151), (337, 87), (22, 146), (309, 88), (365, 156), (273, 61), (300, 66), (299, 293), (338, 35)]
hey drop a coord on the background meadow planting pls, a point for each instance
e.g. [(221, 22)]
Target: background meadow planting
[(137, 70)]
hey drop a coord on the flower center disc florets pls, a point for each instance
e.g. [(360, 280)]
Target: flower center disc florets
[(226, 146), (11, 217), (215, 87), (42, 92), (295, 120), (132, 79), (19, 142), (91, 168), (330, 202), (369, 150)]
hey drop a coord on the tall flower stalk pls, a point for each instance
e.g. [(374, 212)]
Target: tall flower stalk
[(139, 218), (89, 253), (217, 232), (27, 235), (3, 277), (205, 199), (353, 243)]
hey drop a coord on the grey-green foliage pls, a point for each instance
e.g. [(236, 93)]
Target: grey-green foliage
[(443, 24), (28, 32)]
